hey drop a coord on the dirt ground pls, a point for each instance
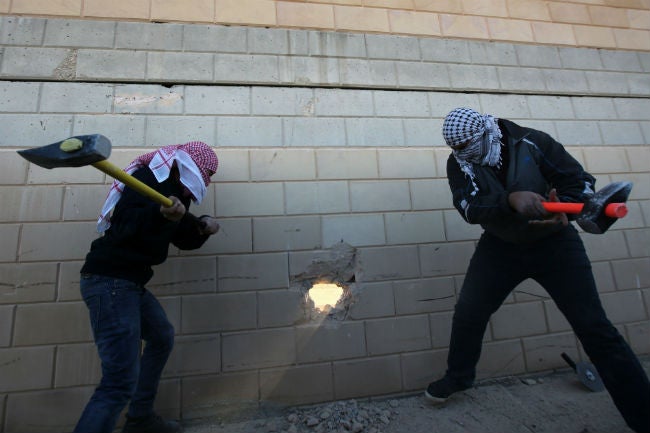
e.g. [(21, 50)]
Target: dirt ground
[(551, 403)]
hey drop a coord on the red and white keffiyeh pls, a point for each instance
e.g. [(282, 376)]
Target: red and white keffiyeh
[(196, 163)]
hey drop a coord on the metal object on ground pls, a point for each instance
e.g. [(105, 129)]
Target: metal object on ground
[(587, 374)]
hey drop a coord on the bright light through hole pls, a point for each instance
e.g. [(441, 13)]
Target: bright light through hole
[(325, 296)]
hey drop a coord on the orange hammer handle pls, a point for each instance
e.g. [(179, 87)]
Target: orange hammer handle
[(612, 210)]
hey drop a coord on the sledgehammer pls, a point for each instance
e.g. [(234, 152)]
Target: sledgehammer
[(601, 211), (88, 150)]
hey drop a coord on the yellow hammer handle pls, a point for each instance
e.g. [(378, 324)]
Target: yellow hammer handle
[(117, 173)]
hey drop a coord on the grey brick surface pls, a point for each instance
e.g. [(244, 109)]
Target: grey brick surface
[(77, 364), (423, 132), (332, 44), (578, 133), (220, 312), (492, 53), (32, 62), (22, 30), (398, 335), (121, 130), (279, 385), (639, 84), (441, 328), (194, 355), (580, 58), (280, 308), (401, 104), (247, 68), (210, 38), (6, 322), (33, 324), (304, 71), (288, 165), (163, 130), (111, 65), (76, 97), (372, 300), (445, 50), (79, 33), (26, 368), (414, 227), (542, 352), (298, 42), (539, 56), (618, 60), (253, 272), (18, 97), (554, 107), (371, 73), (317, 343), (338, 102), (593, 108), (374, 132), (28, 282), (421, 368), (149, 36), (28, 129), (625, 306), (286, 233), (258, 349), (632, 109), (282, 101), (389, 263), (373, 376), (268, 41), (621, 132), (501, 358), (423, 75), (356, 230), (613, 83), (217, 100), (313, 132), (511, 107), (572, 82), (637, 240), (139, 98), (208, 395), (424, 296), (445, 259), (632, 273), (268, 199), (430, 194), (249, 131), (317, 197), (392, 47), (369, 196), (186, 67), (525, 80)]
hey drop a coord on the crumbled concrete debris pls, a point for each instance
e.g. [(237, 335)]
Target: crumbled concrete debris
[(529, 381), (341, 417)]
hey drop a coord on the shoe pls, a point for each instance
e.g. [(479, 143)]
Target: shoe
[(150, 424), (439, 391)]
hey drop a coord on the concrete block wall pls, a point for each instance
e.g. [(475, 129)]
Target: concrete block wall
[(329, 147)]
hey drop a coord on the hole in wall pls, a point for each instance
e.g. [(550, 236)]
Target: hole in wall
[(325, 296)]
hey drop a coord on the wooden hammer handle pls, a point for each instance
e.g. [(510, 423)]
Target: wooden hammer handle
[(612, 210), (130, 181)]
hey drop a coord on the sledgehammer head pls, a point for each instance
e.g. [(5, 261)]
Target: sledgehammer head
[(72, 152), (592, 219)]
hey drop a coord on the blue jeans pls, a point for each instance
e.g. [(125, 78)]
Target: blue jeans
[(123, 313), (560, 265)]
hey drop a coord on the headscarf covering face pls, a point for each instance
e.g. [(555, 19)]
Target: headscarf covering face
[(481, 135), (196, 163)]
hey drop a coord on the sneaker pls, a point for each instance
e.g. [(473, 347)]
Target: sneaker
[(439, 391), (150, 424)]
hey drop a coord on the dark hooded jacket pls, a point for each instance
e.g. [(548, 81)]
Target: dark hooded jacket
[(534, 161)]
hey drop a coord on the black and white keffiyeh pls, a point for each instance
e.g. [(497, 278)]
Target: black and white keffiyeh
[(482, 135)]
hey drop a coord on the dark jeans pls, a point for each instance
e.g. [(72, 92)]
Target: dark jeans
[(559, 263), (122, 314)]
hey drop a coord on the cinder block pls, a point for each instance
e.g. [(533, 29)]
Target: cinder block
[(305, 15), (529, 290), (458, 26), (286, 164), (21, 30), (445, 258), (337, 44), (499, 359), (518, 320), (361, 19), (594, 108), (554, 317), (221, 312), (149, 36), (554, 33), (543, 353), (371, 376), (424, 296), (356, 230), (39, 242), (347, 164), (83, 202), (263, 199), (34, 324), (279, 385), (521, 79), (233, 165), (401, 104), (372, 300), (513, 107), (615, 60), (193, 356), (406, 163), (258, 349), (572, 133), (419, 369), (9, 238), (235, 236), (204, 396), (457, 229), (398, 335), (212, 38), (33, 62), (580, 58), (392, 47), (492, 53), (608, 246), (18, 97), (445, 50), (217, 100), (342, 102), (641, 182), (76, 97), (6, 324), (638, 241), (246, 68), (371, 73), (27, 282), (23, 204), (639, 337), (49, 410), (550, 107), (77, 364), (308, 70), (249, 131), (38, 128), (504, 29), (26, 368), (369, 196), (282, 101), (79, 33), (281, 308), (13, 167), (329, 341), (317, 197), (607, 160), (423, 75), (286, 233), (389, 263), (441, 328), (624, 306), (430, 194), (474, 77), (414, 227), (268, 41), (168, 66), (565, 81), (184, 275), (68, 282), (120, 129), (612, 83), (414, 23), (626, 132), (164, 130), (253, 272)]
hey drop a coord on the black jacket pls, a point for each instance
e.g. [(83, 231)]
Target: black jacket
[(139, 236), (536, 162)]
